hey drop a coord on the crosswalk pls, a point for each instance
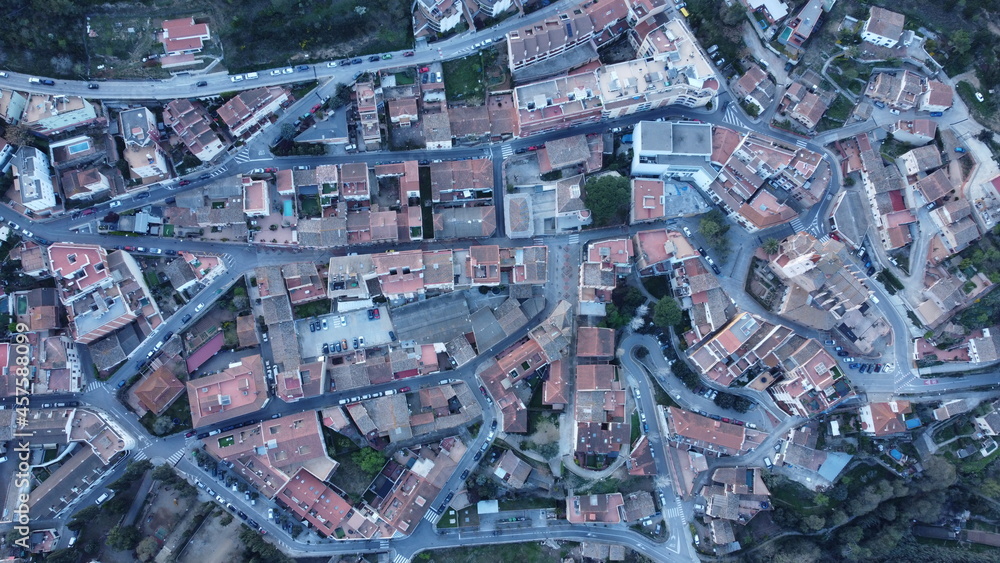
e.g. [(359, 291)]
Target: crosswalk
[(800, 143), (140, 455), (732, 117), (677, 511), (172, 460), (93, 386), (506, 151), (574, 238), (219, 172), (432, 517), (539, 241), (797, 225), (243, 156), (400, 559)]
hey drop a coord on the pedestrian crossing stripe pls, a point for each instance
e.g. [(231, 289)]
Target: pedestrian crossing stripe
[(574, 238), (401, 559), (506, 151), (139, 456)]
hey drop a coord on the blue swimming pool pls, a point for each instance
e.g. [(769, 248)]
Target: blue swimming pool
[(79, 147)]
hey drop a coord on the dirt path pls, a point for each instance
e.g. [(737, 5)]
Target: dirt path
[(213, 543)]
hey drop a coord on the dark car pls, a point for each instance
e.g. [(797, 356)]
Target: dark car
[(464, 475), (201, 83), (392, 336), (374, 58), (482, 390), (48, 82), (870, 271), (202, 436), (356, 61), (168, 336), (493, 426), (252, 523), (143, 195), (878, 368), (302, 67), (521, 150), (204, 176), (242, 515), (479, 455), (716, 269), (93, 86), (843, 353), (121, 384), (186, 318)]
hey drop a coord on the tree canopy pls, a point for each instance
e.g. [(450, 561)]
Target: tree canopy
[(666, 313), (608, 199)]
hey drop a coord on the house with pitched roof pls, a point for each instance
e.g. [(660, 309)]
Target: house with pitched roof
[(237, 390), (884, 419), (883, 27), (158, 390)]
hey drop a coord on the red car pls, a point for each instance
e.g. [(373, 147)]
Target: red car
[(408, 54), (183, 182), (271, 170), (189, 434), (425, 69), (315, 108), (89, 211), (404, 389), (532, 148)]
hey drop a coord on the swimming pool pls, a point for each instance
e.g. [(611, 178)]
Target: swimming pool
[(79, 147)]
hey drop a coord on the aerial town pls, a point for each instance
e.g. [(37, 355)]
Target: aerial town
[(600, 280)]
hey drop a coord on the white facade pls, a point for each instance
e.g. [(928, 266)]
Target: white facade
[(33, 179)]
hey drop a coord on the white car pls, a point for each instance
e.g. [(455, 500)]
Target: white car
[(288, 70), (237, 78), (251, 76), (331, 64), (115, 204), (199, 307), (687, 232), (979, 96), (275, 72)]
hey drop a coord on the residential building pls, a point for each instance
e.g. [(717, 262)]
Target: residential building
[(557, 103), (820, 269), (884, 419), (249, 110), (145, 158), (809, 110), (235, 391), (158, 390), (934, 186), (773, 10), (256, 199), (192, 125), (883, 28), (900, 90), (914, 131), (680, 150), (84, 184), (605, 508), (937, 96), (703, 432), (551, 38), (183, 36), (368, 119), (12, 106), (754, 87), (799, 28), (639, 85), (403, 111), (49, 115), (33, 179), (314, 501), (512, 470), (437, 16), (920, 159)]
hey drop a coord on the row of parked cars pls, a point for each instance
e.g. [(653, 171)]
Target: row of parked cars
[(867, 368)]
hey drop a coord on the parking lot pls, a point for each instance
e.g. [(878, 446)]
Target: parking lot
[(340, 327)]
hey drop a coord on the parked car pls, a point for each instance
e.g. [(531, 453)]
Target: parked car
[(302, 68)]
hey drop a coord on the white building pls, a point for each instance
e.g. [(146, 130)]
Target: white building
[(33, 179), (883, 28), (681, 150)]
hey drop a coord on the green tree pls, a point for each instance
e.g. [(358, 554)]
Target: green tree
[(733, 15), (147, 549), (124, 537), (369, 460), (771, 246), (608, 198), (163, 473), (961, 41), (666, 313), (715, 229)]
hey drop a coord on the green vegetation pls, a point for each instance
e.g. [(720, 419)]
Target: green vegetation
[(771, 246), (982, 256), (982, 111), (714, 227), (530, 552), (625, 300), (259, 550), (311, 309), (163, 425), (657, 286), (890, 281), (463, 79), (734, 402), (666, 313), (369, 460), (711, 29), (608, 198), (124, 537)]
